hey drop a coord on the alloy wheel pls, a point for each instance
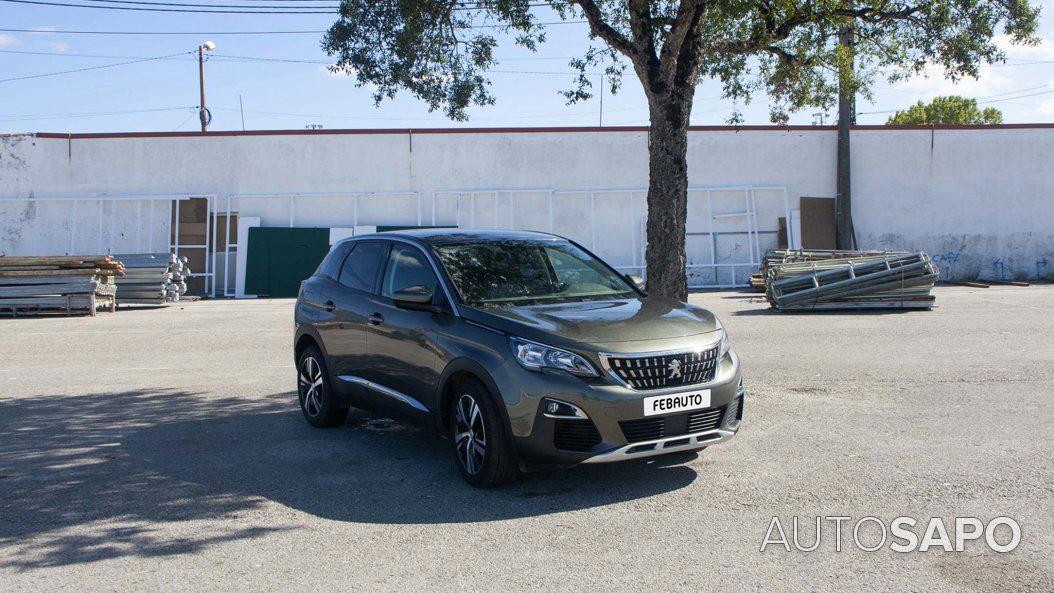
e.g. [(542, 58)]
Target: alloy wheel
[(311, 386), (470, 436)]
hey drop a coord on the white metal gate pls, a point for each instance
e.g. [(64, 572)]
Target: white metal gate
[(108, 235), (724, 239)]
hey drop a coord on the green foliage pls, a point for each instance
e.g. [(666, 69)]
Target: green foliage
[(440, 50), (952, 110)]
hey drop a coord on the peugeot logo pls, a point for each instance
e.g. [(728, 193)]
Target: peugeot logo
[(674, 368)]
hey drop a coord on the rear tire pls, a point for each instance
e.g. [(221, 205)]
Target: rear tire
[(482, 447), (318, 401)]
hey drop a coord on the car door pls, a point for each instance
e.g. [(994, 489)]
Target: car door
[(349, 297), (401, 342), (317, 293)]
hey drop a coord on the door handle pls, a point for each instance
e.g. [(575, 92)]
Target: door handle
[(329, 306), (376, 319)]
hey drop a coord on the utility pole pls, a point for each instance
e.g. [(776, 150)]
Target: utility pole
[(203, 112), (241, 108), (843, 206), (602, 100)]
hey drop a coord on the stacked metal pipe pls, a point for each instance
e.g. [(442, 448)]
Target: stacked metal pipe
[(152, 278), (850, 280)]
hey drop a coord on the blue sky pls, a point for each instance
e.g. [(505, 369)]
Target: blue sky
[(160, 95)]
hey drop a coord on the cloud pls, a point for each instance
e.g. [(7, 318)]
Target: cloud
[(993, 79), (1044, 50), (8, 40), (934, 83), (59, 46)]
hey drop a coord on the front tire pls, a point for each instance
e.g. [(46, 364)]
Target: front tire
[(482, 448), (318, 401)]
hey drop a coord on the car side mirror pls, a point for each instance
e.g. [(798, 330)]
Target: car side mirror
[(415, 297), (635, 280)]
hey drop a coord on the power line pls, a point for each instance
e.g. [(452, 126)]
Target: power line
[(91, 68), (181, 10), (1042, 86), (1030, 63), (219, 33), (375, 118), (330, 63), (63, 54), (66, 54), (200, 5), (1002, 100), (223, 57), (1015, 98), (16, 118), (195, 33), (466, 6), (144, 6)]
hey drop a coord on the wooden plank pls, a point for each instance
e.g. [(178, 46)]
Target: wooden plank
[(817, 223), (74, 272)]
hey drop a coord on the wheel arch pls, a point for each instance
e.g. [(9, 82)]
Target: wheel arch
[(457, 371), (303, 341)]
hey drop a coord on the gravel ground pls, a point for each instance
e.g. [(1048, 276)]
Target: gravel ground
[(162, 450)]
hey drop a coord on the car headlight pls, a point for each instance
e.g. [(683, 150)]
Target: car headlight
[(722, 346), (535, 357)]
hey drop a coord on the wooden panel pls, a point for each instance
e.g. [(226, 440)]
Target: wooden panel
[(221, 231), (817, 223), (194, 229)]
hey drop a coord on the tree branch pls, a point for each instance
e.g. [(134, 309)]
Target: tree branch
[(683, 40), (603, 30)]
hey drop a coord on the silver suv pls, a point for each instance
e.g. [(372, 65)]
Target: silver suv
[(524, 348)]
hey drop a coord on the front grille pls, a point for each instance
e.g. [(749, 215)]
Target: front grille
[(735, 409), (649, 429), (705, 420), (645, 429), (575, 435), (667, 370)]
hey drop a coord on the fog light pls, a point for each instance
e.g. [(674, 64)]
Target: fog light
[(557, 409)]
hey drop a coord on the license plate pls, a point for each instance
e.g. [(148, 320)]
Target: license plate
[(676, 402)]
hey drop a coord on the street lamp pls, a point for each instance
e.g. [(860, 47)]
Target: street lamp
[(203, 113)]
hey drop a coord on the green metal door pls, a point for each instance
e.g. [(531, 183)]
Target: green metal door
[(279, 259)]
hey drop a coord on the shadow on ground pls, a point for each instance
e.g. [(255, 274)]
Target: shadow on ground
[(91, 477), (826, 312)]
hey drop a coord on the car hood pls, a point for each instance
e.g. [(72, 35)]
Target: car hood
[(609, 321)]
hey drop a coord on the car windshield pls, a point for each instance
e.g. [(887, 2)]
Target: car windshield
[(525, 272)]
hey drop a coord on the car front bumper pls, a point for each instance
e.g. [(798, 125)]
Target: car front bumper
[(609, 406)]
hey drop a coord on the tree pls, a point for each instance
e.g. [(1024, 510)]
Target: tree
[(948, 111), (440, 51)]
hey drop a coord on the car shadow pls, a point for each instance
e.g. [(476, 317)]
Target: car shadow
[(91, 477)]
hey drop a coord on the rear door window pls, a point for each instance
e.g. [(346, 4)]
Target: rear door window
[(362, 264), (330, 266), (407, 267)]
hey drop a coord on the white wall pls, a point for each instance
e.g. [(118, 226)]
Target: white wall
[(974, 198)]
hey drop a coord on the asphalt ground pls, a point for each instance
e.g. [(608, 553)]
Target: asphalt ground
[(163, 450)]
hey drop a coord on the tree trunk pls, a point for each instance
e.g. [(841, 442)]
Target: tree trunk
[(668, 196), (843, 204)]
